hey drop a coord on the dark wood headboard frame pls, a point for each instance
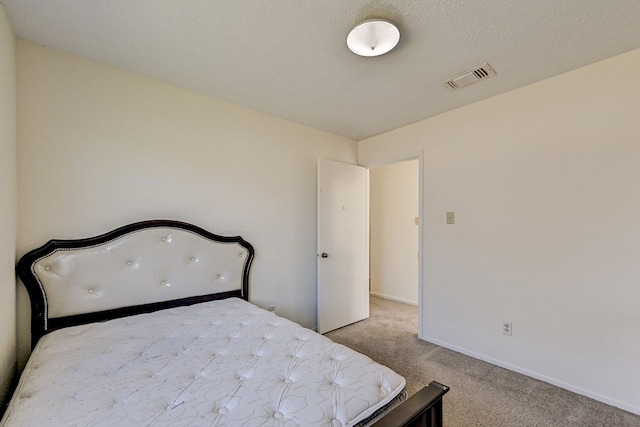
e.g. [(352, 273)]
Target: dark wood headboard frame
[(40, 324)]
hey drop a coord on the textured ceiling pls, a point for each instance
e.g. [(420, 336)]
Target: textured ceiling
[(288, 58)]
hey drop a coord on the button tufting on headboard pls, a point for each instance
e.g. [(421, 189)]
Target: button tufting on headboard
[(94, 267)]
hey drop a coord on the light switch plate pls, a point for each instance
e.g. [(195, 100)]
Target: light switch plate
[(450, 218)]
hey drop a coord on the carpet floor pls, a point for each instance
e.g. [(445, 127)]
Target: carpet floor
[(481, 394)]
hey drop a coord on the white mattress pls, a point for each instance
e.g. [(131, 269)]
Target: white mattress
[(219, 363)]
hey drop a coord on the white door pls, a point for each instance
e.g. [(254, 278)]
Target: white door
[(343, 244)]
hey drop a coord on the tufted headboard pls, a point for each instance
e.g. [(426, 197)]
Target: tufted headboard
[(137, 268)]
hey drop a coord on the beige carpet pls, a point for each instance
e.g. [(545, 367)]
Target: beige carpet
[(481, 394)]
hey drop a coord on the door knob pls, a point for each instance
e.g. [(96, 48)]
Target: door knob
[(324, 255)]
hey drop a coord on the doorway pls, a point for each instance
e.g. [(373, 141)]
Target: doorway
[(395, 270), (327, 255)]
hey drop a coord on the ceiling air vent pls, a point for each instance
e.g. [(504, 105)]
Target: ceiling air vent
[(468, 77)]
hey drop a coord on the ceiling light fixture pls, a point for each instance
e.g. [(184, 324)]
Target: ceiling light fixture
[(373, 37)]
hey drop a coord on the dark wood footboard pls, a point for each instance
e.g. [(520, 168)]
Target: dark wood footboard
[(423, 409)]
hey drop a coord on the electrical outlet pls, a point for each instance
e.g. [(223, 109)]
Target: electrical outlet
[(506, 328)]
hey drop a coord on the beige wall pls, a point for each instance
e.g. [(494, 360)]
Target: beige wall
[(100, 147), (8, 188), (545, 186), (543, 180), (394, 233)]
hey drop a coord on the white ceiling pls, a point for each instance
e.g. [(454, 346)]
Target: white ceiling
[(288, 58)]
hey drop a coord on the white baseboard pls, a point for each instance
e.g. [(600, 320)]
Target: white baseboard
[(394, 298), (593, 395)]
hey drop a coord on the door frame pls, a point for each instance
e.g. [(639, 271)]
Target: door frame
[(397, 159)]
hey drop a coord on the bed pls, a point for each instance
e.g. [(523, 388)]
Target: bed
[(151, 325)]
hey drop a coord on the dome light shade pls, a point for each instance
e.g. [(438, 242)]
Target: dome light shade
[(373, 37)]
